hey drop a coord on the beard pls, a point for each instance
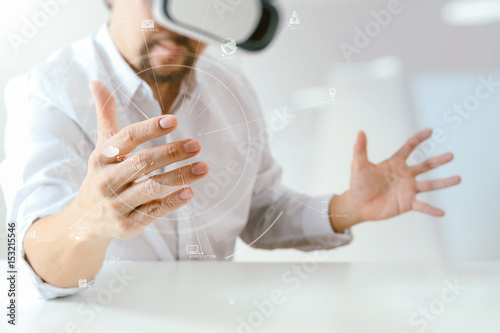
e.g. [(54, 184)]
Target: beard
[(168, 72)]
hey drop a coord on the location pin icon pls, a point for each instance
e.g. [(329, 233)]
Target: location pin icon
[(333, 91)]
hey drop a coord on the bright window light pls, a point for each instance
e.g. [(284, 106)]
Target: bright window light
[(468, 13)]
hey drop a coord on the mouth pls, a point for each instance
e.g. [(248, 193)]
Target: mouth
[(171, 50)]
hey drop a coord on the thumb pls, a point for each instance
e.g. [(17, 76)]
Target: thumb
[(360, 156), (107, 121)]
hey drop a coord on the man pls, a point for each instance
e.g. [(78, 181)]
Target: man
[(81, 195)]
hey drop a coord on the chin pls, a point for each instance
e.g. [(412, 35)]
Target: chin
[(169, 64)]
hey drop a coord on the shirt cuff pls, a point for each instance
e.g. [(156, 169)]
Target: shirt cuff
[(317, 227)]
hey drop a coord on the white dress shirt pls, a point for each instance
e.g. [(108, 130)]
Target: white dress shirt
[(51, 131)]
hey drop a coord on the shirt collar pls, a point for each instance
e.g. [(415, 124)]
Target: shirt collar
[(124, 78)]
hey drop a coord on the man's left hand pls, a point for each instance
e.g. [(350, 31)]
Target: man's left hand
[(381, 191)]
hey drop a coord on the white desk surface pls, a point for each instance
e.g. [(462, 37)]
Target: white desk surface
[(334, 297)]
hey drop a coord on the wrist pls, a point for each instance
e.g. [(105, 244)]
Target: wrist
[(82, 227), (343, 213)]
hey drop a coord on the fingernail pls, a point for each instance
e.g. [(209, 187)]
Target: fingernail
[(185, 194), (191, 146), (199, 169), (167, 122)]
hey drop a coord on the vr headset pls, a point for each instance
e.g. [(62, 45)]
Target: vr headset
[(251, 24)]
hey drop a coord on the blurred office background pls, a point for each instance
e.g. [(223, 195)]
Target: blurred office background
[(409, 70)]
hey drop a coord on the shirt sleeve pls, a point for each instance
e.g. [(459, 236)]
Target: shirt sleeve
[(46, 161), (282, 218)]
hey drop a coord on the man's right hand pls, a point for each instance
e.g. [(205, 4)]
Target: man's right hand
[(111, 201)]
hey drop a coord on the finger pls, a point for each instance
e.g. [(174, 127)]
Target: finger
[(432, 185), (412, 143), (153, 210), (148, 160), (126, 140), (107, 120), (159, 185), (360, 156), (427, 209), (432, 163)]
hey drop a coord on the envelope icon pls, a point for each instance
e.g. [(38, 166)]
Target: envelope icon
[(148, 24)]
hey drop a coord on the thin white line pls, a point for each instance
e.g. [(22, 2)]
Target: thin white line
[(195, 53), (251, 121), (225, 128), (241, 73), (193, 103), (259, 183), (191, 106), (72, 60), (256, 239), (113, 192), (309, 106), (117, 88), (191, 212), (152, 69), (216, 263), (133, 103)]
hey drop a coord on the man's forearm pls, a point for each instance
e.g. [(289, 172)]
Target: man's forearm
[(65, 260), (343, 213)]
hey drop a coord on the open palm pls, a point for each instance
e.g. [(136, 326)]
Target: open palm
[(380, 191)]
